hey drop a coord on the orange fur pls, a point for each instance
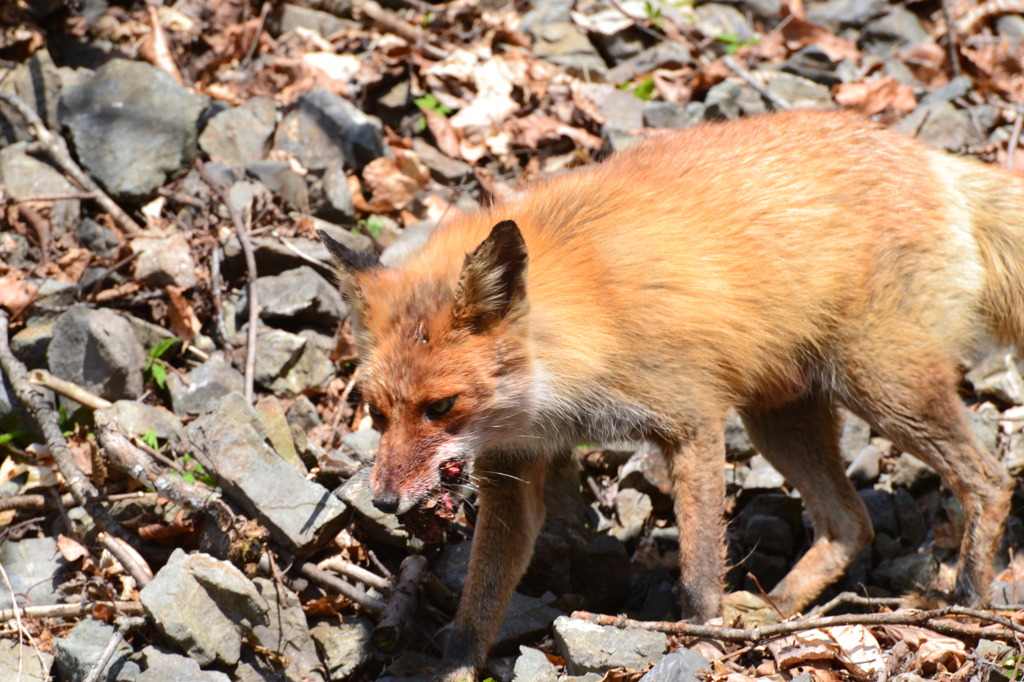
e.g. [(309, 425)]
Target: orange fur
[(781, 265)]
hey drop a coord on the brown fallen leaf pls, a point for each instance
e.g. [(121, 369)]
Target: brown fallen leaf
[(15, 293), (72, 550), (183, 320), (873, 97), (393, 181)]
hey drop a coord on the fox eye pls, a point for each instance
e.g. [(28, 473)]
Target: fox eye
[(374, 412), (438, 409)]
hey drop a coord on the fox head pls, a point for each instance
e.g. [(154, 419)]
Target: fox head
[(445, 364)]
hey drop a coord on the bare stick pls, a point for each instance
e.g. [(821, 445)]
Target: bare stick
[(64, 196), (926, 619), (347, 568), (328, 581), (124, 624), (57, 150), (141, 573), (129, 608), (250, 265), (40, 503), (401, 605), (1011, 146), (951, 39), (856, 600), (68, 389), (81, 487), (401, 28)]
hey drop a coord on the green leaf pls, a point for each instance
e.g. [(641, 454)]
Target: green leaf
[(159, 374), (150, 438), (431, 103), (162, 346), (644, 89), (188, 477), (11, 435)]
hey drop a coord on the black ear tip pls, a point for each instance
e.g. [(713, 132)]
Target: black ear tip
[(508, 232), (350, 259)]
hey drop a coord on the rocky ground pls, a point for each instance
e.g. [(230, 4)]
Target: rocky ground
[(184, 464)]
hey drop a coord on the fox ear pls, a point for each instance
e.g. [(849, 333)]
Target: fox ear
[(492, 285), (351, 263)]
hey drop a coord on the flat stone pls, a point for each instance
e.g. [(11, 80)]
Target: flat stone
[(632, 509), (29, 345), (443, 168), (205, 606), (533, 666), (897, 27), (799, 92), (838, 13), (132, 126), (240, 135), (672, 115), (290, 17), (682, 665), (906, 573), (35, 569), (76, 653), (207, 383), (136, 419), (97, 350), (526, 619), (36, 81), (325, 128), (409, 242), (941, 125), (164, 261), (99, 239), (279, 178), (272, 415), (287, 633), (231, 443), (164, 666), (24, 663), (339, 205), (345, 646), (715, 19), (587, 647), (562, 44), (300, 294), (25, 176), (379, 526)]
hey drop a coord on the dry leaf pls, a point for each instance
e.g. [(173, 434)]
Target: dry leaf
[(36, 476), (802, 647), (859, 651), (872, 97), (72, 550), (535, 128), (393, 181), (72, 264), (15, 293), (183, 320)]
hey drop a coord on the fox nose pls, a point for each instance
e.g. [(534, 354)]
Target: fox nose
[(386, 501)]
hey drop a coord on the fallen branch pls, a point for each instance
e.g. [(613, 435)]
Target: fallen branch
[(930, 620), (328, 581), (40, 377), (42, 503), (124, 624), (761, 88), (46, 417), (128, 608), (350, 570), (855, 599), (401, 605), (57, 150), (250, 266), (401, 28)]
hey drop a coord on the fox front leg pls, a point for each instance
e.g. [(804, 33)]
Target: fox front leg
[(511, 515)]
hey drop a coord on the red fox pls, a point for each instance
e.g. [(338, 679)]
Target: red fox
[(783, 265)]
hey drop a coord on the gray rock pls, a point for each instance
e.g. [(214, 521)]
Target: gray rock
[(767, 533), (882, 511), (940, 125), (984, 423), (621, 109), (601, 572), (205, 606), (24, 663), (326, 128), (303, 414), (587, 647), (132, 126), (75, 654), (765, 9), (339, 205), (898, 27), (29, 345), (164, 666), (298, 295), (533, 666), (854, 435), (273, 257), (730, 98), (241, 135), (282, 181), (906, 573), (203, 385), (664, 55), (97, 350), (287, 632), (25, 176), (1010, 27), (632, 509), (913, 526), (363, 444), (526, 619), (763, 475), (812, 63), (164, 261), (561, 43), (715, 19), (136, 419), (958, 87), (737, 441), (1013, 457), (36, 81), (865, 467), (672, 115), (379, 526), (913, 474), (621, 46), (997, 376), (277, 352), (682, 665), (799, 92), (345, 646), (443, 168), (291, 17), (99, 239), (35, 569), (408, 243), (546, 13), (231, 444), (837, 13)]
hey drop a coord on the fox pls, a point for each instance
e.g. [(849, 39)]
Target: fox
[(783, 266)]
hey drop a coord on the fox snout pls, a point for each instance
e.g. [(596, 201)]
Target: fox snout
[(386, 501)]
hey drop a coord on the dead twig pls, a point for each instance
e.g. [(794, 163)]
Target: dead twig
[(41, 226), (128, 608), (347, 568), (40, 377), (327, 580), (124, 624), (57, 150), (856, 600), (250, 265), (42, 503), (931, 620), (46, 417), (1014, 141), (63, 196), (401, 605), (401, 28), (761, 88), (136, 566)]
